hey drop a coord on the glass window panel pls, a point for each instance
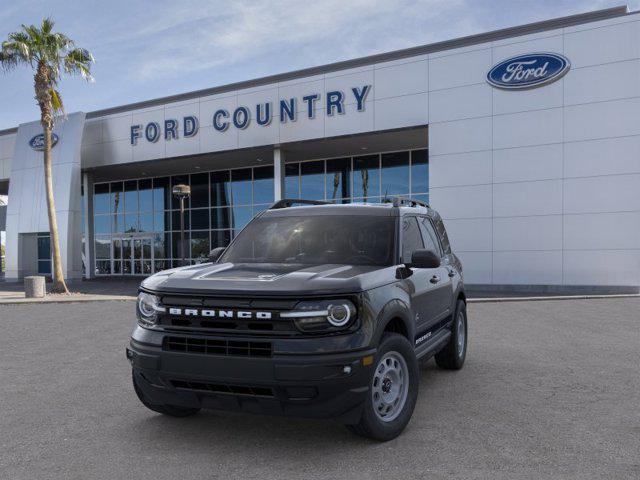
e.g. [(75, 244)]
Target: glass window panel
[(395, 173), (160, 245), (161, 194), (126, 267), (259, 208), (200, 244), (292, 180), (102, 224), (175, 245), (200, 219), (429, 236), (103, 267), (423, 198), (131, 196), (103, 247), (146, 267), (220, 238), (161, 221), (200, 190), (145, 195), (338, 179), (44, 247), (117, 248), (220, 191), (263, 184), (240, 216), (175, 220), (101, 198), (160, 265), (411, 238), (44, 267), (117, 268), (420, 171), (366, 177), (116, 197), (220, 218), (177, 180), (131, 222), (312, 180), (146, 222), (241, 186)]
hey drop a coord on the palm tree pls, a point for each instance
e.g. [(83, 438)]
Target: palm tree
[(48, 54)]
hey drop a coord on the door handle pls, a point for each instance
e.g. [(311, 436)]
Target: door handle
[(435, 279)]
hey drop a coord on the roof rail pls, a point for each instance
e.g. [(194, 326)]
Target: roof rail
[(289, 202), (400, 201)]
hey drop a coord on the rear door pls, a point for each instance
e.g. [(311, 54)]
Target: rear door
[(442, 285)]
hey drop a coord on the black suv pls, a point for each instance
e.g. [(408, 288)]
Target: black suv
[(314, 310)]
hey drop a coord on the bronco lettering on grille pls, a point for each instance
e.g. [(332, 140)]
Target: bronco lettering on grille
[(242, 314)]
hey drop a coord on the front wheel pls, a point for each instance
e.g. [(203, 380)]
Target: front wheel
[(452, 356), (393, 390)]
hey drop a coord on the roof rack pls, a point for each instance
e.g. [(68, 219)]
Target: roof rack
[(400, 201), (290, 202)]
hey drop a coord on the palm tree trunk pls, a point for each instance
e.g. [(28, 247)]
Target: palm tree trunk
[(59, 285)]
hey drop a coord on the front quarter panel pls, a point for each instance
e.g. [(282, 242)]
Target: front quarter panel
[(385, 304)]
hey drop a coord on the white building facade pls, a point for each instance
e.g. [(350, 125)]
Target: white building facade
[(526, 140)]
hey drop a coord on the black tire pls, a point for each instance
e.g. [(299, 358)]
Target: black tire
[(452, 356), (371, 425), (170, 410)]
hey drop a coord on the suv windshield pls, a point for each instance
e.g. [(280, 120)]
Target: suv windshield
[(316, 240)]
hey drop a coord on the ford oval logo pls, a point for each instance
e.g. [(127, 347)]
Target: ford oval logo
[(528, 71), (37, 142)]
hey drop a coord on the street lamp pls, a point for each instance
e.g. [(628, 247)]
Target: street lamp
[(181, 192)]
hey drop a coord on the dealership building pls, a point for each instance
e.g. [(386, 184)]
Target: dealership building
[(526, 140)]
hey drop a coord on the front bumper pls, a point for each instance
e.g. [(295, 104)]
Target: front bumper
[(327, 385)]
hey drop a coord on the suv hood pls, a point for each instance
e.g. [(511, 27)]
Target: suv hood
[(269, 279)]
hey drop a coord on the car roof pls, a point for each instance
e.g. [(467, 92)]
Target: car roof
[(373, 209)]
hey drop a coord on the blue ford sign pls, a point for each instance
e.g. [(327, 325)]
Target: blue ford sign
[(37, 142), (528, 71)]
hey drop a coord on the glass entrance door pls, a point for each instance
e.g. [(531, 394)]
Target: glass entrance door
[(132, 255)]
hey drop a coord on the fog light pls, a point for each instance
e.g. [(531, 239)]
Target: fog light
[(346, 370)]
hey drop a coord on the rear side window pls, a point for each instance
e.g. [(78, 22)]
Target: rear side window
[(411, 238), (429, 236), (442, 234)]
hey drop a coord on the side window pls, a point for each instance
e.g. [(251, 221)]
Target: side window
[(442, 234), (411, 238), (429, 236)]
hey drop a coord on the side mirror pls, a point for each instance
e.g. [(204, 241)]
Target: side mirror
[(214, 254), (423, 258)]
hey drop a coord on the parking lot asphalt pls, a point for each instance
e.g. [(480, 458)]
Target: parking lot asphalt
[(551, 389)]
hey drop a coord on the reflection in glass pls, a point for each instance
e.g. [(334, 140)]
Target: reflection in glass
[(241, 186), (160, 221), (312, 180), (161, 194), (145, 222), (366, 177), (338, 181), (117, 248), (131, 222), (200, 219), (420, 171), (116, 197), (175, 220), (220, 218), (200, 244), (145, 195), (220, 191), (101, 198), (220, 238), (200, 190), (395, 173), (240, 216), (177, 180), (102, 224), (292, 180), (263, 185), (131, 196), (159, 242), (103, 247)]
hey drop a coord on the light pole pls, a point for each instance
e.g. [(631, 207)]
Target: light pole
[(181, 192)]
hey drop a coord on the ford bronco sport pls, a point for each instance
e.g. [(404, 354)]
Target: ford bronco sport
[(314, 310)]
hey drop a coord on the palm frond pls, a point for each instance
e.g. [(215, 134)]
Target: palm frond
[(56, 101), (78, 61)]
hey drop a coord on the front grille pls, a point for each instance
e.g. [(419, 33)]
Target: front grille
[(208, 346), (223, 388)]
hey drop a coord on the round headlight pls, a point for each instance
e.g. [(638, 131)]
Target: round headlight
[(148, 308), (339, 315)]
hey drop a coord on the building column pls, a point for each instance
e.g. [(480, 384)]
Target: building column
[(87, 205), (278, 174)]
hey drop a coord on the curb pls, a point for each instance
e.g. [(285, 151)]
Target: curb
[(550, 298), (31, 301)]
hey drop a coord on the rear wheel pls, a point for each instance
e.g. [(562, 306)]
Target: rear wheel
[(452, 356), (393, 390), (171, 410)]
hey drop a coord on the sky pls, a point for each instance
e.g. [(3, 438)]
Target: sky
[(150, 49)]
